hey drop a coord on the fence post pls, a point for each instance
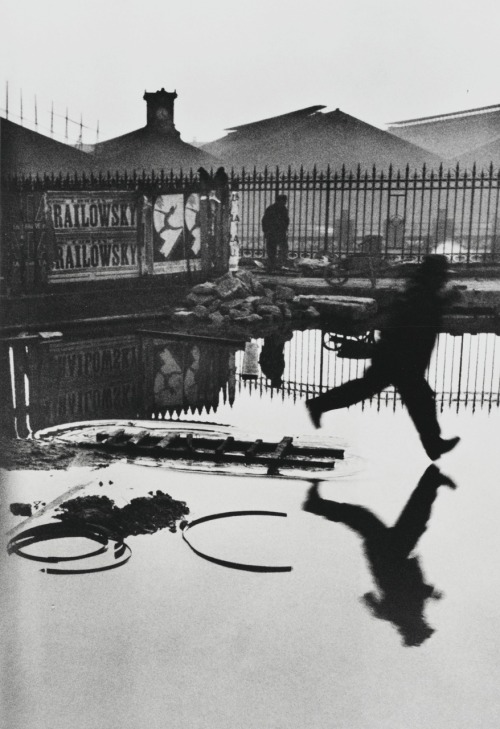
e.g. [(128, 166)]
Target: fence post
[(471, 213), (388, 217), (327, 211)]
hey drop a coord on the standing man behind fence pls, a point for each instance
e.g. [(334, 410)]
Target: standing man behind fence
[(275, 222)]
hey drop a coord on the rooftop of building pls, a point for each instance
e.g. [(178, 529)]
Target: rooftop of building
[(311, 136)]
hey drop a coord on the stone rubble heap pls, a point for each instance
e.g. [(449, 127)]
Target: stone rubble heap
[(241, 299)]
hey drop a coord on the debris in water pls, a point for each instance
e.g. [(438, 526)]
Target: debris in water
[(19, 509), (143, 515)]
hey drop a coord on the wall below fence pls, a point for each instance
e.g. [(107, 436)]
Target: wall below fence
[(103, 300)]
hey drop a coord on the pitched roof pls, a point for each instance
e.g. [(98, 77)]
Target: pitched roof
[(24, 151), (277, 120), (146, 149), (452, 135), (307, 138), (482, 156)]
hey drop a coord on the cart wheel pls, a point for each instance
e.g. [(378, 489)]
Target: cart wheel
[(336, 278), (335, 274)]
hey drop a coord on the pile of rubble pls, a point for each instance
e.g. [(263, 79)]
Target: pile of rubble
[(143, 515), (241, 299)]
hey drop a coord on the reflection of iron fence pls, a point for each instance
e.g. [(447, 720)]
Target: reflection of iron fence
[(450, 211), (464, 370), (390, 397)]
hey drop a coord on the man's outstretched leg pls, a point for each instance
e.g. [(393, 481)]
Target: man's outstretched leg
[(345, 395), (419, 400), (357, 518), (412, 522)]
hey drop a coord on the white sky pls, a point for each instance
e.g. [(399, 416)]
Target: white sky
[(236, 62)]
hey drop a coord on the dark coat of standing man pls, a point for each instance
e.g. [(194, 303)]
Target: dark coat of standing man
[(275, 222)]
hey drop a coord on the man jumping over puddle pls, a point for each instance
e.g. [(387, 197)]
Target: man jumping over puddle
[(401, 357)]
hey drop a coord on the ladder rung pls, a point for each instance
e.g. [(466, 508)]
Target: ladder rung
[(139, 437), (104, 435), (219, 451), (117, 435), (252, 450), (282, 447), (165, 442)]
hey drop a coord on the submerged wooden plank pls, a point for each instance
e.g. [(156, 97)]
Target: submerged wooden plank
[(177, 445), (193, 337), (252, 450), (115, 437), (139, 437), (165, 443), (222, 447), (277, 456), (189, 445)]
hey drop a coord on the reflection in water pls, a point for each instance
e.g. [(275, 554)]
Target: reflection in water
[(186, 377), (464, 371), (135, 376), (125, 376), (272, 357), (403, 591)]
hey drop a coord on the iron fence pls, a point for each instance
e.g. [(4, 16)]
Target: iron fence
[(405, 214), (410, 213)]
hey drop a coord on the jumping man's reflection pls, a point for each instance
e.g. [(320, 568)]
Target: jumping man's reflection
[(402, 590), (401, 357)]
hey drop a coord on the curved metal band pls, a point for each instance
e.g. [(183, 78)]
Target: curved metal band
[(227, 563), (121, 550), (57, 530)]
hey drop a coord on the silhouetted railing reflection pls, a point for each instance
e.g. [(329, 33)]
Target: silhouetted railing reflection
[(464, 371), (124, 376), (133, 376)]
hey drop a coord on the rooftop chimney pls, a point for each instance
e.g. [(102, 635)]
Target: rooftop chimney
[(160, 112)]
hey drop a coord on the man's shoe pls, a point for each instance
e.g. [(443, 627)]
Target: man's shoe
[(314, 414), (434, 478), (313, 498), (443, 446)]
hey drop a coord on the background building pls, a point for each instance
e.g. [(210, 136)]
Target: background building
[(463, 136), (26, 152), (156, 146), (309, 137)]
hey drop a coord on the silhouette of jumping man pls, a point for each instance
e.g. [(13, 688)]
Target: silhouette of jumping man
[(275, 222), (402, 589), (400, 358)]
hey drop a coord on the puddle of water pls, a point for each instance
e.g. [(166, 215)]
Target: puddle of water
[(172, 635)]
